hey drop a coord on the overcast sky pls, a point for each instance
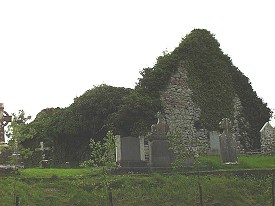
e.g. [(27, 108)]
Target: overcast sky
[(52, 51)]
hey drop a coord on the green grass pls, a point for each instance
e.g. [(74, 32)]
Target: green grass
[(245, 162), (139, 190), (85, 187), (52, 172)]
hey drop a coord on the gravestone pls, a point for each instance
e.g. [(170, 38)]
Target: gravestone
[(227, 143), (159, 130), (130, 151), (160, 154), (44, 161), (16, 156), (214, 141)]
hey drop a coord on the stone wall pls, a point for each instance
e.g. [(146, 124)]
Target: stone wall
[(268, 139), (240, 125), (180, 111)]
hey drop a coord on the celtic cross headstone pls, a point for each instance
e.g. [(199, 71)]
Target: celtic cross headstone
[(159, 130), (228, 150), (5, 118), (43, 149), (160, 154), (44, 162)]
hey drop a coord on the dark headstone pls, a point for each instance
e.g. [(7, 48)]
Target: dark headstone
[(130, 151), (160, 153), (214, 143)]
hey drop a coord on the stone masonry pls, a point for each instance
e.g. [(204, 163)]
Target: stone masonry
[(239, 122), (181, 113), (268, 139)]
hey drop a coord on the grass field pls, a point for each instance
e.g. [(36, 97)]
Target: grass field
[(245, 162), (57, 173), (85, 186)]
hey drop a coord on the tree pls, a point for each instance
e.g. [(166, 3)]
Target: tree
[(136, 114), (90, 116), (255, 111), (103, 155), (68, 130), (19, 131), (95, 109), (46, 127)]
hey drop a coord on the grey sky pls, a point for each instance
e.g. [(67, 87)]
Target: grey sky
[(52, 51)]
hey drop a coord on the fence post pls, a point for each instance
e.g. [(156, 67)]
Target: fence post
[(110, 196), (17, 202), (200, 193), (273, 190)]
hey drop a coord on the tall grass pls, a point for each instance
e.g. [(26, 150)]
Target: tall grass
[(85, 187), (139, 190)]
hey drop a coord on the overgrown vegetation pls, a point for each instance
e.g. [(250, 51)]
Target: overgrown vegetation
[(86, 187), (141, 190), (214, 80), (187, 149), (255, 111), (103, 155)]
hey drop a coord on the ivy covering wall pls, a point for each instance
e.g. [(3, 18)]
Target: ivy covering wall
[(214, 81)]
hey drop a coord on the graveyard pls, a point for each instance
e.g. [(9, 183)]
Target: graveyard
[(141, 179), (192, 132)]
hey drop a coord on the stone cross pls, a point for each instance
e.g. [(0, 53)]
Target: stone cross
[(159, 130), (5, 118), (16, 153), (160, 154), (227, 143), (43, 149), (16, 150)]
